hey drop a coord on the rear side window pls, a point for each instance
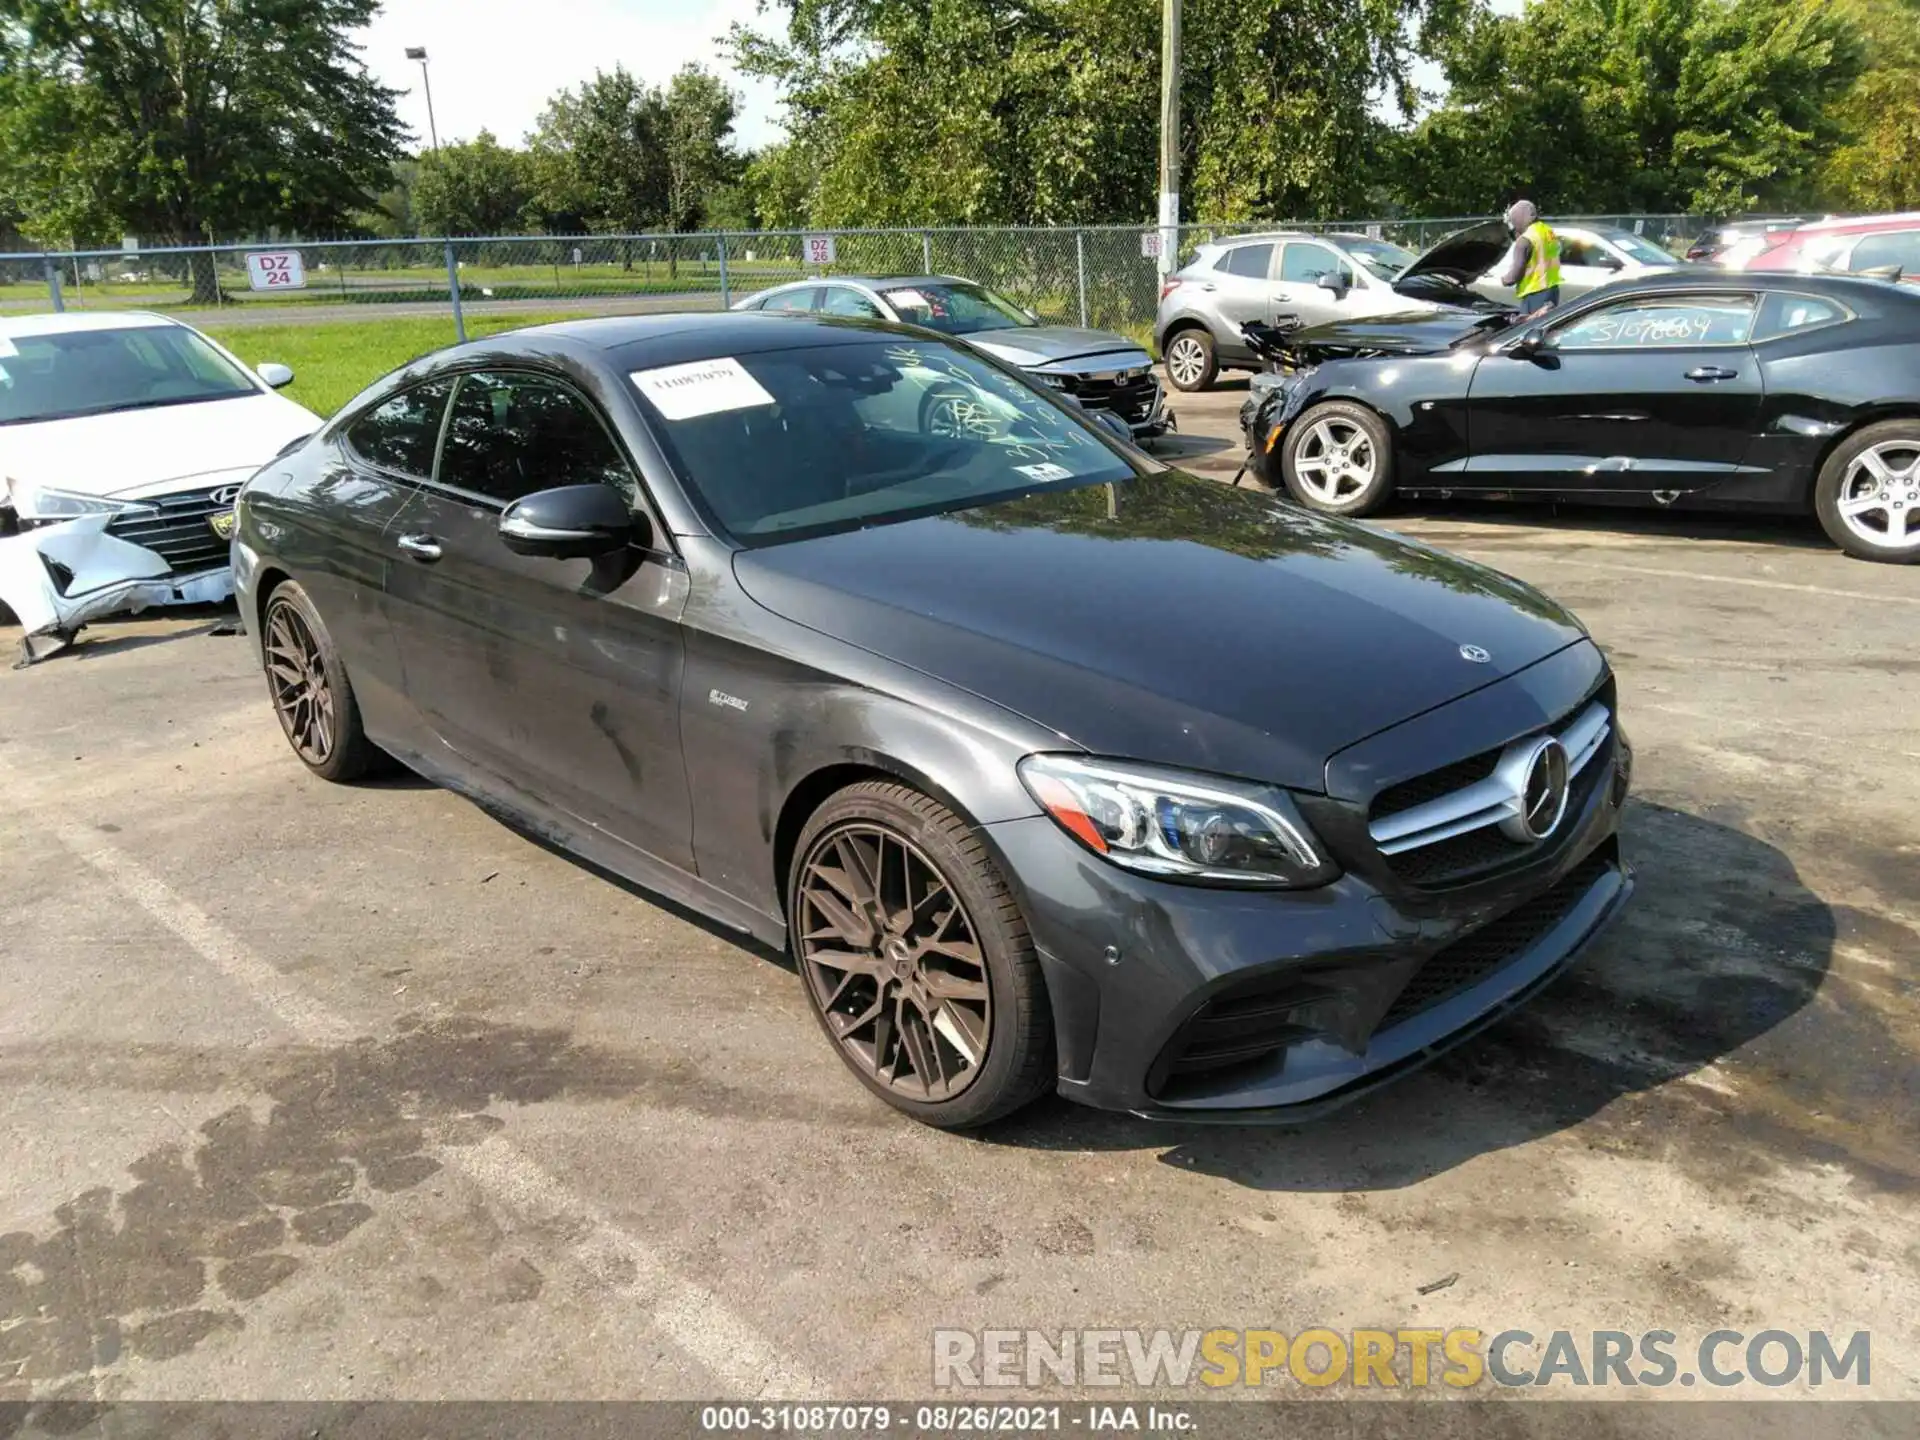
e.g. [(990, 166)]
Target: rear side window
[(844, 300), (1896, 247), (1252, 261), (1785, 314), (400, 432), (510, 435)]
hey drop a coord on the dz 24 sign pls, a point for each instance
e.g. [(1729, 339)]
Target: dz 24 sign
[(276, 270)]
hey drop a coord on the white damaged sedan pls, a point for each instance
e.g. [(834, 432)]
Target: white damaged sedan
[(123, 440)]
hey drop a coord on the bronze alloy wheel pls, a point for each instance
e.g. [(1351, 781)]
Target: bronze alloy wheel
[(297, 674), (893, 962)]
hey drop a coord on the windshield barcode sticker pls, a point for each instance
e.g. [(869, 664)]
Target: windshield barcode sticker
[(706, 387), (1045, 472)]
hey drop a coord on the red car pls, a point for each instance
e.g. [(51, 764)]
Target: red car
[(1870, 243)]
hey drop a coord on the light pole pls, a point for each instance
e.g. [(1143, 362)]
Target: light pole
[(1169, 136), (419, 52)]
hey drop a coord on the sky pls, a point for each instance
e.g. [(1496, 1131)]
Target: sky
[(496, 63)]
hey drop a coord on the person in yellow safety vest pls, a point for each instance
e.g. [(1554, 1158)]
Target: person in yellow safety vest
[(1532, 265)]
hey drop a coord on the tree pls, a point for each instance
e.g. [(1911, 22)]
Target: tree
[(910, 112), (477, 187), (599, 159), (390, 217), (1708, 106), (182, 120), (1879, 169), (698, 112)]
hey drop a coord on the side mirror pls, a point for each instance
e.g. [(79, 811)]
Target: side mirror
[(278, 376), (1527, 345), (574, 522), (1609, 262), (1338, 281)]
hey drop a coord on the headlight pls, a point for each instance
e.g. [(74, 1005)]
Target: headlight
[(1176, 825), (1052, 382), (43, 502)]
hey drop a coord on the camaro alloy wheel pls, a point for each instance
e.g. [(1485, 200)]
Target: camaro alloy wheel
[(893, 962), (302, 692), (1879, 498), (1335, 462)]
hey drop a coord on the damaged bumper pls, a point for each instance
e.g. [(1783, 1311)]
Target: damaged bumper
[(57, 578)]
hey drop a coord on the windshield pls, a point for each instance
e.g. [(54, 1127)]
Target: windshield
[(94, 372), (954, 307), (792, 443), (1640, 248), (1380, 258)]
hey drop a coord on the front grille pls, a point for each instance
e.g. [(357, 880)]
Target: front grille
[(1433, 784), (177, 530), (1132, 400), (1468, 961)]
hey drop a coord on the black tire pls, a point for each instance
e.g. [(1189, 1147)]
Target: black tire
[(1018, 1064), (1899, 498), (327, 738), (1190, 349), (1344, 416)]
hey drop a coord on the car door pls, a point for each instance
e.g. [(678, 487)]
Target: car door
[(1296, 286), (1651, 393), (1239, 289), (560, 677), (337, 542)]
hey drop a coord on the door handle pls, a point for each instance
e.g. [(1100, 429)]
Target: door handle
[(1705, 373), (420, 547)]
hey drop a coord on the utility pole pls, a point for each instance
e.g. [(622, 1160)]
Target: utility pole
[(1169, 136)]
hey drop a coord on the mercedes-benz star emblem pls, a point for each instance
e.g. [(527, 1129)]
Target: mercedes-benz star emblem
[(1475, 654), (1543, 794)]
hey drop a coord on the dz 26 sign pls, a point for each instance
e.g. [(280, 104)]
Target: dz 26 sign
[(276, 270)]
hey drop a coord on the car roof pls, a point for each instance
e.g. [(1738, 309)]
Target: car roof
[(646, 341), (1862, 223), (1860, 288), (71, 322), (872, 282)]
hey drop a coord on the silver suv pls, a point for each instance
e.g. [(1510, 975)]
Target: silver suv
[(1287, 276)]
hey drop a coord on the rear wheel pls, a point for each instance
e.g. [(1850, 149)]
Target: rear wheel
[(916, 959), (1868, 493), (311, 693), (1337, 458), (1191, 363)]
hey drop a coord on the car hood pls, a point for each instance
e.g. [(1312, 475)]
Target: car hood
[(1043, 344), (138, 452), (1464, 256), (1422, 332), (1169, 619)]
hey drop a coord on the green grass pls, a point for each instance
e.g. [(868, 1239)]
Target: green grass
[(334, 361)]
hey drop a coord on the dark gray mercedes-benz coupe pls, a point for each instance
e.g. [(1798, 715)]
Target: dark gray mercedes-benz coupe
[(1053, 767)]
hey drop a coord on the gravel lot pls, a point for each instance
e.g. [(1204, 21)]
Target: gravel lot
[(326, 1093)]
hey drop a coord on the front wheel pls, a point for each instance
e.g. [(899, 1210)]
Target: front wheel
[(1337, 458), (916, 958), (310, 691), (1868, 493)]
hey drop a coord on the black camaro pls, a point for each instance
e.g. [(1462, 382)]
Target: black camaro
[(1773, 391), (1052, 766)]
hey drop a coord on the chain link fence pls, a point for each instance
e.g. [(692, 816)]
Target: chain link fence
[(1106, 277)]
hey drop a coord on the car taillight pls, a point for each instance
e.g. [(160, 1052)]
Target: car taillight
[(1169, 285)]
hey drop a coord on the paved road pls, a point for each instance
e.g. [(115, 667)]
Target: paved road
[(355, 1092)]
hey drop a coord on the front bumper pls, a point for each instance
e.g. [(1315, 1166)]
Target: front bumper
[(57, 578), (1360, 985)]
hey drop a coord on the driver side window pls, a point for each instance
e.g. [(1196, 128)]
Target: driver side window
[(1660, 323), (1305, 264), (510, 435)]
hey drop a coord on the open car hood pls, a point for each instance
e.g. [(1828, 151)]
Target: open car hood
[(1462, 257)]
